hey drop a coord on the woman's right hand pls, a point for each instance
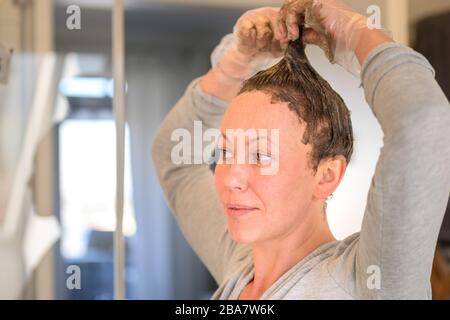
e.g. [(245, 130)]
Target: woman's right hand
[(252, 47)]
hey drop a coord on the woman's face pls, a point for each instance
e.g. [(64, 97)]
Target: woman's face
[(261, 207)]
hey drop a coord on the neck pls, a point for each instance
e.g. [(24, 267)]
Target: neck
[(274, 257)]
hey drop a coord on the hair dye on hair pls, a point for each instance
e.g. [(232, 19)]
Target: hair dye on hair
[(327, 118)]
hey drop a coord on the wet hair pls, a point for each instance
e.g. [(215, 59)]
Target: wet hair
[(294, 80)]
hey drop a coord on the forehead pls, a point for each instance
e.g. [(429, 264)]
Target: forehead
[(254, 110)]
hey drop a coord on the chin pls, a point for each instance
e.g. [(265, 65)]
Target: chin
[(242, 234)]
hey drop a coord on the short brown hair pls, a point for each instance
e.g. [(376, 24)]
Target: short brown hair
[(294, 80)]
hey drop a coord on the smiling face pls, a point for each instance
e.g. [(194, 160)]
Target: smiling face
[(263, 207)]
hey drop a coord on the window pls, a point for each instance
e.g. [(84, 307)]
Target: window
[(86, 157)]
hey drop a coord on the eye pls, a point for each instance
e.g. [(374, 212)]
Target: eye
[(262, 158), (223, 155)]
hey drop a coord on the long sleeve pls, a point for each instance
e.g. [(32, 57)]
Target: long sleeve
[(410, 188), (189, 188)]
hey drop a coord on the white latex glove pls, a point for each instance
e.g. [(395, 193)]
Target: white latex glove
[(251, 47), (332, 25)]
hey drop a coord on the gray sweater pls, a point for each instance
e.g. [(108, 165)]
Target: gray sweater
[(391, 258)]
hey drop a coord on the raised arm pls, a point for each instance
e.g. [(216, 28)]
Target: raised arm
[(411, 185), (188, 187)]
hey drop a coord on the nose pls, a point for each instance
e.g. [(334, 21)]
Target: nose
[(236, 177)]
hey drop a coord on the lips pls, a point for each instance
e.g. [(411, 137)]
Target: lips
[(236, 210)]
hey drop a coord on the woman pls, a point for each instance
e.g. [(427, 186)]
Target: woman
[(265, 236)]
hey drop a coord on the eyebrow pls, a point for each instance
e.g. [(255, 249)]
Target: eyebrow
[(251, 140)]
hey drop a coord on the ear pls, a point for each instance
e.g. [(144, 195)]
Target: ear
[(328, 176)]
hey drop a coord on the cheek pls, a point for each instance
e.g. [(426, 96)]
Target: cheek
[(286, 202), (278, 192), (290, 190)]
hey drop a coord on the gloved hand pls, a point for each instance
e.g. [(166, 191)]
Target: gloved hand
[(251, 47), (332, 25)]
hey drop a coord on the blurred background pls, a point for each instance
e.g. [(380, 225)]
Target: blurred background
[(57, 139)]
